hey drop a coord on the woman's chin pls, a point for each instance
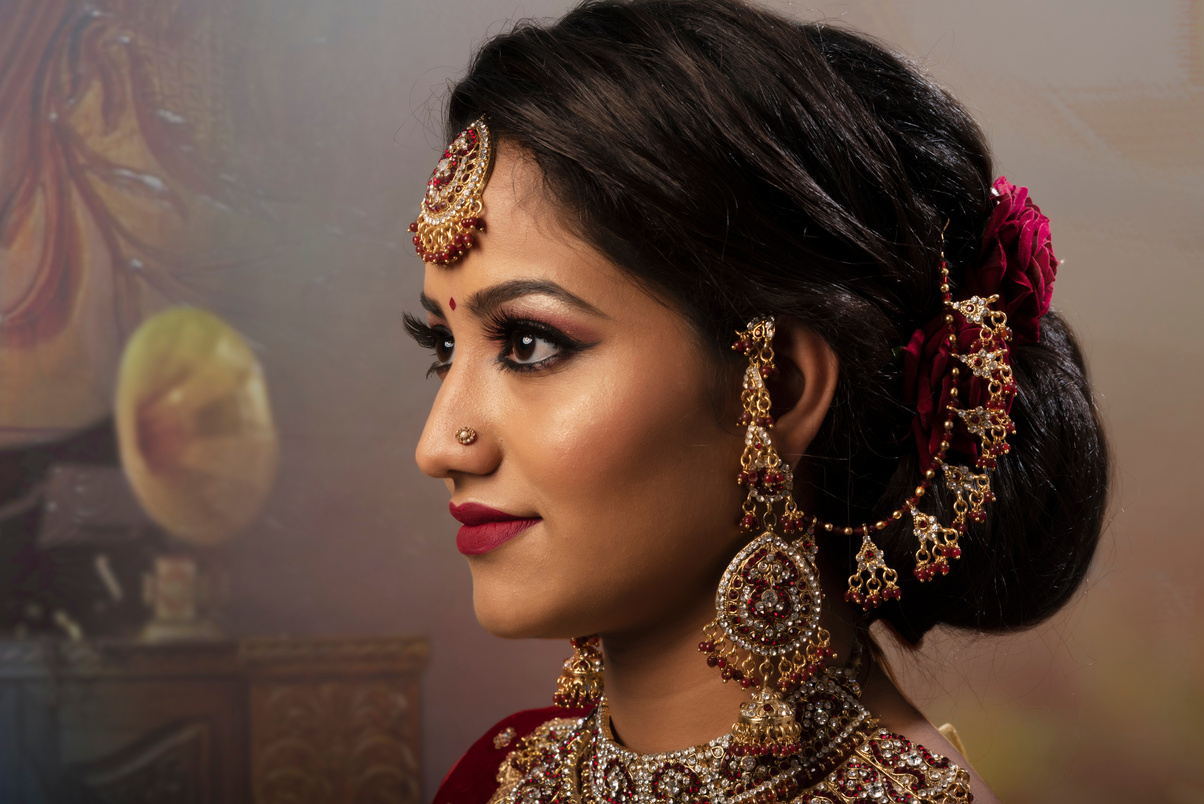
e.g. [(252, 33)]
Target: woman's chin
[(510, 619)]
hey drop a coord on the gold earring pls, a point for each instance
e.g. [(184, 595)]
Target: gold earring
[(580, 683), (766, 634), (466, 436)]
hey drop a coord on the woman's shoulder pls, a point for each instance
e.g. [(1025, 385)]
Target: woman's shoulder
[(477, 775)]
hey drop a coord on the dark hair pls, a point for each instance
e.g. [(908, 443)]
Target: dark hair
[(742, 163)]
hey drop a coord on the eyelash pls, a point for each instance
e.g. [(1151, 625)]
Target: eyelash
[(500, 328), (427, 337)]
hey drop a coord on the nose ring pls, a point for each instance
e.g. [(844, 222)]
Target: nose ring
[(466, 435)]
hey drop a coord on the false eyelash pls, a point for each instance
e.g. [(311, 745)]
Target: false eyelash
[(423, 334), (427, 337), (500, 327)]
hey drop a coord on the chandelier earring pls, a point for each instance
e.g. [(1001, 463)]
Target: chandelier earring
[(766, 634), (580, 683)]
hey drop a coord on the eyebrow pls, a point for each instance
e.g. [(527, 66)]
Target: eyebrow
[(430, 305), (484, 302)]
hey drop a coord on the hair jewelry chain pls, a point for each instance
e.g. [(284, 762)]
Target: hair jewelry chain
[(874, 582)]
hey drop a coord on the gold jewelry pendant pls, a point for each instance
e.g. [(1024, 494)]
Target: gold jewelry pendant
[(768, 605), (768, 601), (580, 683)]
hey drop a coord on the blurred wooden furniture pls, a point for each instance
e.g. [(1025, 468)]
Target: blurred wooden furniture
[(263, 721)]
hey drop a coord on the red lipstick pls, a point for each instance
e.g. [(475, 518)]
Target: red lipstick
[(486, 528)]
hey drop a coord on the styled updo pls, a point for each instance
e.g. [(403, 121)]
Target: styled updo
[(741, 163)]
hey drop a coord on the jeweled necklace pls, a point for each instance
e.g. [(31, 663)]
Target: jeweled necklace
[(828, 710), (844, 758)]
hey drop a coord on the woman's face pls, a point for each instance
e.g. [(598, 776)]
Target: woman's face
[(595, 413)]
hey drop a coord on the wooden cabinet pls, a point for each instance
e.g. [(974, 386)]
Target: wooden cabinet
[(263, 721)]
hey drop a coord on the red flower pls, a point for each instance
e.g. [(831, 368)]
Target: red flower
[(1017, 261), (927, 380)]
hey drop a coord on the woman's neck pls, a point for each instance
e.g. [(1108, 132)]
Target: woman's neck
[(662, 695)]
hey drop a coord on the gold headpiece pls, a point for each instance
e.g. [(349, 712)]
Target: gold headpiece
[(451, 209)]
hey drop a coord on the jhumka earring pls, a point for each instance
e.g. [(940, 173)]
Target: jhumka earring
[(580, 683), (450, 214), (766, 635)]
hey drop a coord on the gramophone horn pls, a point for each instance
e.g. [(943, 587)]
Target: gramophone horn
[(194, 426)]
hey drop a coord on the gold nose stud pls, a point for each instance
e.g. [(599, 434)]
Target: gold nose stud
[(466, 435)]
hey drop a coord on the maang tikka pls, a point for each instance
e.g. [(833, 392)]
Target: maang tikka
[(450, 214), (766, 634)]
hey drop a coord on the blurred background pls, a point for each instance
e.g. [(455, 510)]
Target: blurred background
[(260, 160)]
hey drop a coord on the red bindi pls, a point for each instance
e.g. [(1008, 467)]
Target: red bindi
[(452, 302)]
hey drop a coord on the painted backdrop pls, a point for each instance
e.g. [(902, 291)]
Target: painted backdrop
[(261, 158)]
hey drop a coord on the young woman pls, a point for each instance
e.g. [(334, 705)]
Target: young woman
[(903, 431)]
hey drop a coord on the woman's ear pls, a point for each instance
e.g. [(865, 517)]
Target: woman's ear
[(803, 389)]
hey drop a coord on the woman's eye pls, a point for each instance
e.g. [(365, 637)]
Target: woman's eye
[(525, 348), (437, 338), (445, 347)]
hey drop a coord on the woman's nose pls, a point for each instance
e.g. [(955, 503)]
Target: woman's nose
[(458, 438)]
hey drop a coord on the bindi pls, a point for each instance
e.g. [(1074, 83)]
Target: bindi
[(452, 303)]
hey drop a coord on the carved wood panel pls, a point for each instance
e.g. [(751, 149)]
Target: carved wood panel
[(275, 721), (335, 742)]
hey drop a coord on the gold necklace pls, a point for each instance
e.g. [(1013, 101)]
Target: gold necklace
[(846, 759)]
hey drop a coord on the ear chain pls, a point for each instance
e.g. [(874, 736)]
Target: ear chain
[(874, 582)]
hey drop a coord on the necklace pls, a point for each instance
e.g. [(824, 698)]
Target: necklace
[(828, 710), (846, 759)]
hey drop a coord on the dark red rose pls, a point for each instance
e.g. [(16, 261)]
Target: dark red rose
[(1017, 261), (1018, 264), (926, 384)]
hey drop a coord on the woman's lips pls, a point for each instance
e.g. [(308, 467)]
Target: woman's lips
[(486, 528)]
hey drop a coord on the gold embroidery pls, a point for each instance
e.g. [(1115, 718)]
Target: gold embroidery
[(949, 732), (531, 753), (503, 737)]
